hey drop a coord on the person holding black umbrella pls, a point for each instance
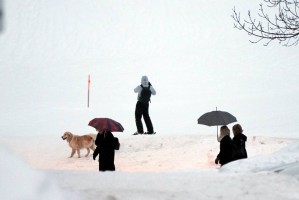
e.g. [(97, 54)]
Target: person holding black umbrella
[(226, 147)]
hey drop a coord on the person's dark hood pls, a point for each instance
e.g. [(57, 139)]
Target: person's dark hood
[(241, 136)]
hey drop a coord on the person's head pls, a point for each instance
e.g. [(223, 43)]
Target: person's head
[(224, 130), (237, 129), (100, 132), (144, 81)]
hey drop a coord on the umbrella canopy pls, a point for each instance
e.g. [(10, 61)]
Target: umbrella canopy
[(106, 124), (216, 118)]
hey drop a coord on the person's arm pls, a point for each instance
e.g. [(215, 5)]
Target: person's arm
[(138, 89), (221, 154), (153, 90), (95, 153), (110, 141)]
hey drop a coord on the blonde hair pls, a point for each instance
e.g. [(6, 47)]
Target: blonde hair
[(224, 130), (237, 129)]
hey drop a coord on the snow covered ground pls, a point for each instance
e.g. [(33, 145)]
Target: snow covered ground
[(149, 167)]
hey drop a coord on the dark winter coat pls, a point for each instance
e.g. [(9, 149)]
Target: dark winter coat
[(105, 148), (239, 141), (226, 150)]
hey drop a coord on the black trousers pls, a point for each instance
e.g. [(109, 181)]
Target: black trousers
[(142, 110)]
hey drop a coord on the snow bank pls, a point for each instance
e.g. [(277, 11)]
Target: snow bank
[(285, 161), (20, 181)]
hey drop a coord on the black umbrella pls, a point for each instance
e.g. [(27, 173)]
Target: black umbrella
[(216, 118)]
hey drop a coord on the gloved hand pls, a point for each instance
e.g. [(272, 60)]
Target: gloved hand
[(149, 83), (217, 161), (94, 156)]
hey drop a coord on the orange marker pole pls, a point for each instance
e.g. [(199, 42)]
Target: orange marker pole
[(88, 90)]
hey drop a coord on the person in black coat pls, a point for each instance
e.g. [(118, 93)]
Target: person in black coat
[(239, 141), (105, 148), (226, 147)]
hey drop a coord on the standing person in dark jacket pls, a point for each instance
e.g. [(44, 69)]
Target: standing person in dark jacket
[(105, 148), (226, 147), (239, 141), (145, 90)]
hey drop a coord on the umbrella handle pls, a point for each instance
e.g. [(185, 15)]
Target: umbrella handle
[(217, 130), (217, 135)]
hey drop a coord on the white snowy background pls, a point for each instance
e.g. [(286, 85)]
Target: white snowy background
[(196, 61)]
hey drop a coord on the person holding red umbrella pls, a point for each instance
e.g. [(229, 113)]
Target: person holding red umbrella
[(106, 142), (226, 147)]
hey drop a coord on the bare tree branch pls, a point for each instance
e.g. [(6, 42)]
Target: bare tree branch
[(282, 27)]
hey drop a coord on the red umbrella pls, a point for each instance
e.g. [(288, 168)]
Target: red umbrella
[(106, 124)]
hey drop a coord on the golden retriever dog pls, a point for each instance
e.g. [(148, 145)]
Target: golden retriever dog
[(77, 142)]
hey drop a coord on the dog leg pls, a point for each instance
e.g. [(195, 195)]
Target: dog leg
[(87, 152), (78, 152), (73, 152)]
